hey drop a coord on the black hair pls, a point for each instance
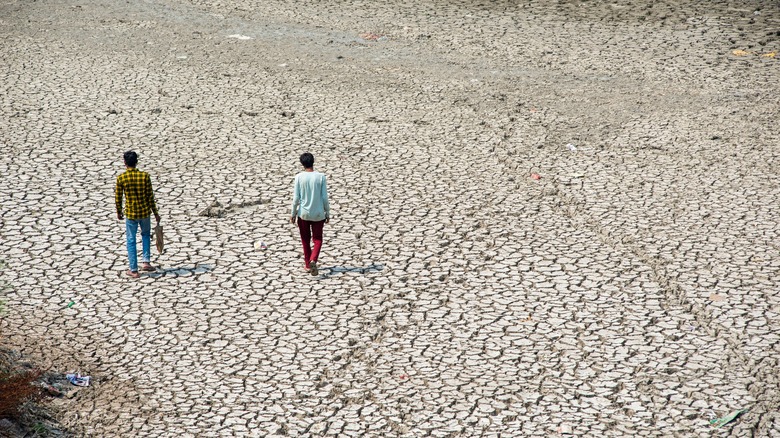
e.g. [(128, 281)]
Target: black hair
[(131, 159), (307, 160)]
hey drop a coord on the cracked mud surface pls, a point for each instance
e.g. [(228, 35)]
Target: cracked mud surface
[(631, 291)]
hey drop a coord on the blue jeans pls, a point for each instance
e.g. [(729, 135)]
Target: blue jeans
[(131, 229)]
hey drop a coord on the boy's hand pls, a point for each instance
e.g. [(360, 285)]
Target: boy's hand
[(157, 218), (292, 220), (119, 216)]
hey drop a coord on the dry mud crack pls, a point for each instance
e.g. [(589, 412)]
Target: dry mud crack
[(631, 290)]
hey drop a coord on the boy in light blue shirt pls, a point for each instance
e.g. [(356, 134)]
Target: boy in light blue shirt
[(310, 207)]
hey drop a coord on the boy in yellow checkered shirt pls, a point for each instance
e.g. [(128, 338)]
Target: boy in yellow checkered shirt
[(136, 187)]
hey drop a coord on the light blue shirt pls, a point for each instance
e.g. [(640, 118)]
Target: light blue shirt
[(310, 197)]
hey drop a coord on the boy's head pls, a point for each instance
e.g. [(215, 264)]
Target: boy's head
[(307, 160), (131, 159)]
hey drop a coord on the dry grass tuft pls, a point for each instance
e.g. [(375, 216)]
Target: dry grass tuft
[(16, 389)]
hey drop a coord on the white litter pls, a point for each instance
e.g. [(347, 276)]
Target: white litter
[(565, 429), (239, 37), (78, 380), (260, 245), (571, 147)]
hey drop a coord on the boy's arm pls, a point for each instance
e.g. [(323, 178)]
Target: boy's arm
[(118, 192), (296, 201), (325, 202)]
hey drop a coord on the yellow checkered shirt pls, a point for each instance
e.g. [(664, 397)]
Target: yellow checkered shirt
[(136, 186)]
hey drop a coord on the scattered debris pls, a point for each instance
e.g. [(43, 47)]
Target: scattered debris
[(77, 379), (740, 52), (371, 36), (70, 304), (403, 376), (213, 210), (260, 245), (571, 147), (51, 390), (239, 36), (717, 297), (217, 210), (536, 176), (720, 422), (565, 429)]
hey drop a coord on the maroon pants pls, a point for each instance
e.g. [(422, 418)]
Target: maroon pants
[(310, 231)]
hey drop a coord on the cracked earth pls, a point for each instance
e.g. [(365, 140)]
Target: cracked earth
[(630, 290)]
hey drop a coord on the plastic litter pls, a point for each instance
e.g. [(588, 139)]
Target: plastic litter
[(717, 297), (571, 147), (260, 245), (720, 422), (70, 304), (536, 176), (565, 429), (239, 36), (77, 379)]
